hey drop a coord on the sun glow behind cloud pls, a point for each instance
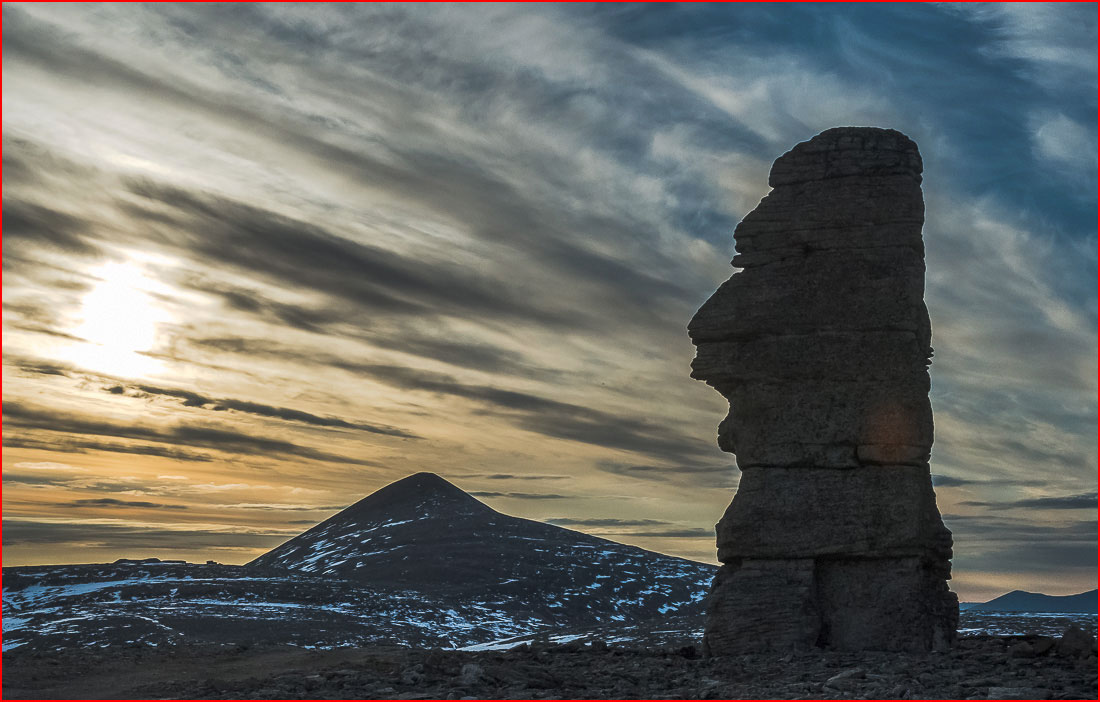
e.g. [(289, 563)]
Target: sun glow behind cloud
[(120, 320)]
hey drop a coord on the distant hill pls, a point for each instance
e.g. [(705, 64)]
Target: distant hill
[(1020, 601), (418, 563), (424, 534)]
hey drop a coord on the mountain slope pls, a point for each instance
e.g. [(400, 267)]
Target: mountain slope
[(423, 533), (1021, 601)]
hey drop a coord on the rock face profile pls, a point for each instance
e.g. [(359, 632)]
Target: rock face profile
[(821, 344)]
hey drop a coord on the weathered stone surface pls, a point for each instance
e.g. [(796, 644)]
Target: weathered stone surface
[(821, 344), (867, 603), (827, 424), (769, 604), (873, 512)]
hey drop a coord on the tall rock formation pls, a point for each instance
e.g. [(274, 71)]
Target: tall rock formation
[(821, 344)]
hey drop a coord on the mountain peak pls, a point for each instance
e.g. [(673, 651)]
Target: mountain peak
[(423, 499), (423, 534), (424, 481), (426, 494)]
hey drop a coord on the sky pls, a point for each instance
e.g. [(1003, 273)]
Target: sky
[(262, 260)]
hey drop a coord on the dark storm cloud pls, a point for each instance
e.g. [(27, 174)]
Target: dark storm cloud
[(112, 502), (72, 445), (1085, 501), (26, 417), (25, 532), (193, 399), (523, 495)]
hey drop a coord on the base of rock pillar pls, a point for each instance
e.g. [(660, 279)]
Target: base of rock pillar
[(762, 605), (891, 604)]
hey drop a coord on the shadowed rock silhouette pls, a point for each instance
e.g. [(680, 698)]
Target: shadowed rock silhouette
[(821, 344)]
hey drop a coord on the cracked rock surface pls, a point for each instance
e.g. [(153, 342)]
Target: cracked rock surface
[(821, 344)]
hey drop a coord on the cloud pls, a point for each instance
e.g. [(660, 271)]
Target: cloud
[(1084, 501), (404, 335), (293, 253), (1050, 39), (1066, 143), (30, 223), (81, 480), (34, 480), (39, 366), (111, 502), (128, 536), (550, 417), (975, 531), (27, 417), (690, 533), (528, 411), (951, 481), (72, 445), (193, 399), (523, 495), (724, 475), (507, 216), (599, 522), (515, 476), (280, 507), (48, 465), (460, 188), (1013, 545)]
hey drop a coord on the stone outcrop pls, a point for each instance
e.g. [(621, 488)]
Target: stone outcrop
[(821, 344)]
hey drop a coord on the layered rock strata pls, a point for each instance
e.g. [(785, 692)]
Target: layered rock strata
[(821, 344)]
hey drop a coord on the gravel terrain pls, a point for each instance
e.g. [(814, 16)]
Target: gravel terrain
[(981, 667)]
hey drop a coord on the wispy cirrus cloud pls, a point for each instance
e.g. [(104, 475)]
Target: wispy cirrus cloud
[(488, 229), (34, 418), (192, 399)]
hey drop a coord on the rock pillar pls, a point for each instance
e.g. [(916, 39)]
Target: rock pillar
[(821, 344)]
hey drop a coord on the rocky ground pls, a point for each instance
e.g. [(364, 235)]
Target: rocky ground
[(981, 667)]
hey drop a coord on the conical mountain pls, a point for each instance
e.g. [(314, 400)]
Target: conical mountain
[(424, 534)]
